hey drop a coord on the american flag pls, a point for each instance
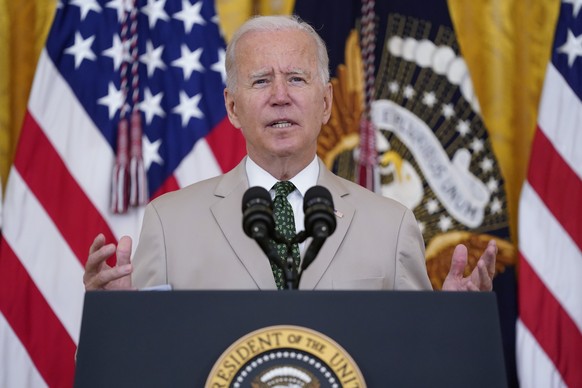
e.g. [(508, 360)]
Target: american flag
[(59, 189), (549, 329)]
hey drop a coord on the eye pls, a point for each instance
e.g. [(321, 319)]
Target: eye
[(297, 79), (260, 82)]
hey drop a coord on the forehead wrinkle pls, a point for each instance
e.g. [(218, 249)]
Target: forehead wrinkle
[(299, 71), (260, 73), (270, 72)]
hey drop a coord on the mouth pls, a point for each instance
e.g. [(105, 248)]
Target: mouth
[(281, 124)]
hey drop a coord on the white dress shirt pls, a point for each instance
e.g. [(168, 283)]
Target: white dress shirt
[(304, 180)]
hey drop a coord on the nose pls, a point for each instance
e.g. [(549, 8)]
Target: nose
[(280, 92)]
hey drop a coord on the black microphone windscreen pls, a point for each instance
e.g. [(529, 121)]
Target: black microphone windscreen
[(253, 195), (317, 194)]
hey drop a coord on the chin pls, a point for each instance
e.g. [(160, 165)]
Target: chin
[(286, 148), (285, 153)]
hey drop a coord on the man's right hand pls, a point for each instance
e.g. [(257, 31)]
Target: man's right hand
[(99, 275)]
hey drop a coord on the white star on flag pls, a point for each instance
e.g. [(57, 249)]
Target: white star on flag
[(150, 152), (576, 5), (492, 185), (113, 100), (154, 11), (496, 206), (116, 52), (486, 165), (188, 107), (448, 111), (477, 145), (445, 223), (150, 105), (429, 99), (153, 58), (463, 127), (572, 47), (409, 92), (120, 6), (393, 87), (81, 49), (190, 15), (86, 6), (432, 206), (189, 61), (219, 66)]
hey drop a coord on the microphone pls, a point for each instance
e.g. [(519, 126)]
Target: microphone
[(320, 221), (318, 209), (258, 222)]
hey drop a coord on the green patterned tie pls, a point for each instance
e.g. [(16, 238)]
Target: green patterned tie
[(285, 226)]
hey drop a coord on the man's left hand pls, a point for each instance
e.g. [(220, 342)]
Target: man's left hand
[(480, 279)]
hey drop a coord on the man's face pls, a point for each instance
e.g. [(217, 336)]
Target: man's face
[(279, 101)]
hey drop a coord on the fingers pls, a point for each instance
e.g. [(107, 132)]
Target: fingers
[(98, 253), (481, 278), (124, 266), (123, 252), (111, 278), (96, 266), (485, 279), (459, 261), (454, 280), (99, 275), (97, 243), (482, 275), (470, 286), (489, 257)]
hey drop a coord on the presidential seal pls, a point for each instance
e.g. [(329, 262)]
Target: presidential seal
[(285, 356)]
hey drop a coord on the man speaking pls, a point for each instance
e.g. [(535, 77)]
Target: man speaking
[(278, 94)]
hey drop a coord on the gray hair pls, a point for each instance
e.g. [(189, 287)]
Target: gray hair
[(274, 23)]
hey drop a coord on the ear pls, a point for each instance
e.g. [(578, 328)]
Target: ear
[(231, 108), (327, 102)]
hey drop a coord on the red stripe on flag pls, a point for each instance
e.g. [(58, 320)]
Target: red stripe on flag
[(33, 321), (227, 144), (550, 324), (171, 184), (63, 199), (557, 185)]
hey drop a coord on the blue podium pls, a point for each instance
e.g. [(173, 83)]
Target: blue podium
[(323, 338)]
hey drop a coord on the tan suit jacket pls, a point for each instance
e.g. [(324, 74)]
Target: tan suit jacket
[(193, 239)]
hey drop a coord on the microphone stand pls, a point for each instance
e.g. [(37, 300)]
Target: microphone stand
[(287, 265), (310, 253), (291, 273)]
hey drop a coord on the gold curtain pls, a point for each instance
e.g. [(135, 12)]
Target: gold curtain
[(24, 26), (233, 13), (507, 45)]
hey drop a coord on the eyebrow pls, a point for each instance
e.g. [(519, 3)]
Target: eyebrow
[(302, 72), (260, 74), (264, 73)]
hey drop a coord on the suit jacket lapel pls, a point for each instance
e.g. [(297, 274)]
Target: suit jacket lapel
[(344, 215), (228, 215)]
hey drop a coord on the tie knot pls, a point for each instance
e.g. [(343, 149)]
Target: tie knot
[(283, 188)]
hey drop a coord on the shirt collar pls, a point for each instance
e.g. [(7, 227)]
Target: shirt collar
[(304, 180)]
